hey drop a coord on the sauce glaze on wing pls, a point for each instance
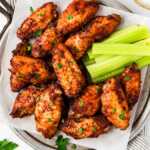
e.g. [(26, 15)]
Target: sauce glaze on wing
[(37, 21), (100, 28), (46, 42), (48, 110), (25, 70), (131, 81), (25, 102), (87, 104), (114, 104), (67, 71), (78, 13), (86, 127)]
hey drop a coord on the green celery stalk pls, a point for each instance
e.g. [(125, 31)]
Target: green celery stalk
[(141, 64), (103, 58), (109, 65), (129, 34), (121, 49)]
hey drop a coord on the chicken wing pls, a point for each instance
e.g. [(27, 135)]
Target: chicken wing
[(114, 104), (85, 127), (37, 21), (48, 111), (25, 102), (22, 49), (131, 80), (44, 44), (26, 70), (78, 13), (67, 71), (98, 29), (87, 104)]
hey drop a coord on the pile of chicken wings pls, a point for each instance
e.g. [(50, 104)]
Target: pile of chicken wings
[(47, 72)]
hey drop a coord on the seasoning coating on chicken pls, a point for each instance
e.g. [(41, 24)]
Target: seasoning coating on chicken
[(131, 80), (85, 127), (67, 71), (78, 13), (22, 49), (100, 28), (37, 21), (114, 104), (46, 42), (48, 111), (25, 102), (26, 70), (87, 104)]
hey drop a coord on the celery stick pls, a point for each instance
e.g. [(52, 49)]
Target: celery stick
[(129, 34), (109, 65), (108, 75), (89, 62), (140, 62), (121, 49), (102, 58)]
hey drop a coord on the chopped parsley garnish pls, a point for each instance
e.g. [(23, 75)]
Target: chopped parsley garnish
[(31, 9), (20, 75), (37, 33), (29, 48), (81, 103), (94, 129), (127, 78), (59, 66), (98, 90), (41, 14), (74, 147), (114, 110), (62, 143), (122, 115), (7, 145), (81, 130), (49, 120), (69, 17), (36, 76)]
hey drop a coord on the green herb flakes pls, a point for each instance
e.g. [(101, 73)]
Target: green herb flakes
[(74, 147), (31, 9), (127, 78), (81, 103), (62, 143), (7, 145), (81, 130), (69, 17), (122, 115), (49, 120), (38, 33), (59, 66), (114, 110)]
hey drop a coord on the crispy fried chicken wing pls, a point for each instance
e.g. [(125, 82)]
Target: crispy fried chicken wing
[(67, 71), (48, 111), (85, 127), (37, 21), (25, 102), (131, 80), (98, 29), (22, 49), (26, 70), (46, 42), (114, 104), (87, 104), (78, 13)]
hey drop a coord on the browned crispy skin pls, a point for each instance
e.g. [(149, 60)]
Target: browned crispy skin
[(38, 20), (87, 104), (26, 70), (67, 71), (22, 49), (48, 111), (46, 42), (78, 13), (114, 104), (85, 127), (131, 80), (100, 28), (25, 102)]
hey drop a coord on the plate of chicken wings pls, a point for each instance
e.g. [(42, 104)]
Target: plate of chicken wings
[(50, 81)]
